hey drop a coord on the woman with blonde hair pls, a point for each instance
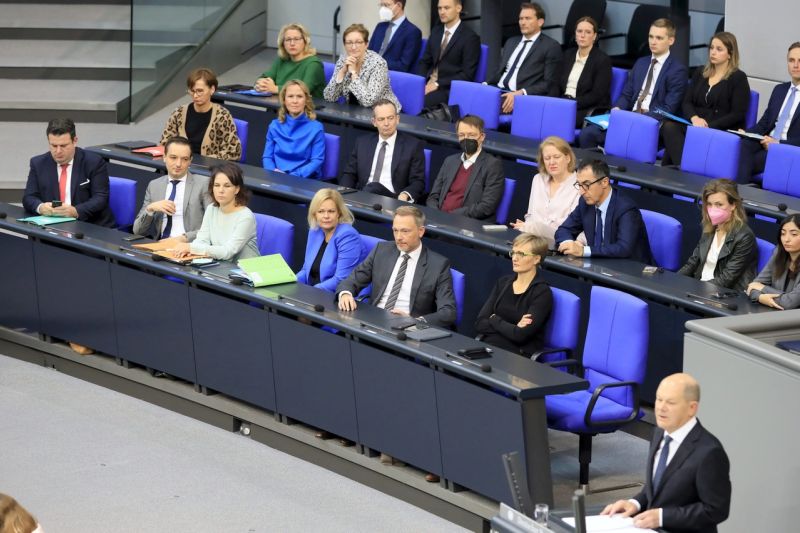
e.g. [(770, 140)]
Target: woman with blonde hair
[(295, 140), (333, 248), (296, 60), (553, 193), (726, 254), (14, 518)]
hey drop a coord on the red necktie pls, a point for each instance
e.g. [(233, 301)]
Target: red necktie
[(62, 183)]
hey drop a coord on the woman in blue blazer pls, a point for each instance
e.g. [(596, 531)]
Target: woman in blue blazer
[(334, 247)]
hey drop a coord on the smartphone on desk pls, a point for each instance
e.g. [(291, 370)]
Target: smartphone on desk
[(479, 352), (56, 203), (131, 238)]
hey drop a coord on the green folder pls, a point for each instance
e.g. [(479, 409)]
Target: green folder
[(41, 220), (267, 270)]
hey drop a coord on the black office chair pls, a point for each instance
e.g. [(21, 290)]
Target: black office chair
[(579, 8), (636, 39)]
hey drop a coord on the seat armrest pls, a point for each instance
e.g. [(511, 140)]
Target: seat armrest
[(587, 418)]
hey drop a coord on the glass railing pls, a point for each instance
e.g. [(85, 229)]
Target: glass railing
[(165, 34)]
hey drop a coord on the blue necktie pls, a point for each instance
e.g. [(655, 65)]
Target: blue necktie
[(662, 462), (168, 227), (785, 114), (598, 229), (507, 78)]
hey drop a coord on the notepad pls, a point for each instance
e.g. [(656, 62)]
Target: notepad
[(616, 523), (155, 151), (747, 135), (135, 145), (267, 270), (42, 220), (599, 120), (670, 116)]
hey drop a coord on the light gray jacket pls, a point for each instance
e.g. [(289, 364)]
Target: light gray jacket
[(195, 201)]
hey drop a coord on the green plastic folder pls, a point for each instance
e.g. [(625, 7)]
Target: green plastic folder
[(41, 220), (267, 270)]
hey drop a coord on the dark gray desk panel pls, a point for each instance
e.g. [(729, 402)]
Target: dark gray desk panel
[(154, 323), (75, 297), (477, 427), (232, 348), (396, 407), (313, 376), (19, 308)]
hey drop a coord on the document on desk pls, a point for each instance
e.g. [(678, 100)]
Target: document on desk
[(599, 120), (267, 270), (602, 523), (746, 135), (42, 220)]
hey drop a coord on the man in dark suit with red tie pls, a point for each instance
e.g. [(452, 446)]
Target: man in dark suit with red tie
[(391, 163), (688, 486), (780, 122), (78, 179), (452, 53)]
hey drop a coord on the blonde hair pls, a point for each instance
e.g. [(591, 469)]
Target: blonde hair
[(728, 40), (309, 107), (308, 50), (731, 191), (356, 28), (538, 244), (411, 211), (562, 146), (13, 516), (345, 215)]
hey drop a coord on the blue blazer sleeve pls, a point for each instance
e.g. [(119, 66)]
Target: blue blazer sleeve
[(409, 48), (347, 248), (627, 227), (668, 95), (573, 226), (313, 167), (268, 157)]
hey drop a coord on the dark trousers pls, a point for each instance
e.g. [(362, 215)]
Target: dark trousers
[(673, 135), (752, 160), (439, 96), (592, 136), (375, 187)]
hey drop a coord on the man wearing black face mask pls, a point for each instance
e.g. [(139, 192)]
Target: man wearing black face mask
[(471, 183)]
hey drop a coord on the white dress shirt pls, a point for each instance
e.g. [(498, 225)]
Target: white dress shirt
[(656, 71), (68, 189), (781, 136), (467, 162), (404, 298), (177, 218), (452, 30), (575, 74), (512, 81), (713, 255), (385, 178), (395, 24)]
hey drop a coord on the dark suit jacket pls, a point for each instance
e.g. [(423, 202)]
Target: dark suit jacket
[(484, 190), (460, 60), (431, 291), (339, 259), (695, 490), (624, 234), (403, 49), (767, 122), (538, 73), (736, 264), (594, 84), (408, 165), (724, 107), (668, 92), (89, 186)]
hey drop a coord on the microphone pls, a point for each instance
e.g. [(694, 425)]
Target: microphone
[(237, 281), (3, 215), (375, 206), (78, 235), (156, 258), (780, 207), (618, 168), (484, 367), (293, 301), (400, 335), (431, 128)]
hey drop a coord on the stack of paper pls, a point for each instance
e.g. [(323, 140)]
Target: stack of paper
[(615, 523), (41, 220)]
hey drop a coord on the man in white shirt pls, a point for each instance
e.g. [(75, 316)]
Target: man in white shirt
[(407, 278), (391, 163), (531, 62), (174, 204), (688, 486)]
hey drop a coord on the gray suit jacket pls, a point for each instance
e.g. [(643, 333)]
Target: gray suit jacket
[(484, 190), (788, 288), (195, 201), (431, 291)]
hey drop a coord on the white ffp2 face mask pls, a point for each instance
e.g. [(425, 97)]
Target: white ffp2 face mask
[(385, 14)]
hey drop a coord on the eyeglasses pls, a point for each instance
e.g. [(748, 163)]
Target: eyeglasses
[(292, 39), (585, 186), (351, 44), (519, 255), (196, 91)]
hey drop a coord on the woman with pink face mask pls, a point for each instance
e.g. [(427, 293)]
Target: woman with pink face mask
[(726, 254)]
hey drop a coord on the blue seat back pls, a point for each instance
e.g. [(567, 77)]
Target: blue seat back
[(480, 72), (242, 127), (618, 78), (422, 46), (328, 69), (505, 201), (538, 117), (330, 165), (409, 90), (458, 291), (427, 153), (562, 328), (368, 242), (752, 110), (122, 200), (765, 250), (616, 342), (632, 136), (782, 171), (274, 236), (710, 152), (476, 99), (665, 234)]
